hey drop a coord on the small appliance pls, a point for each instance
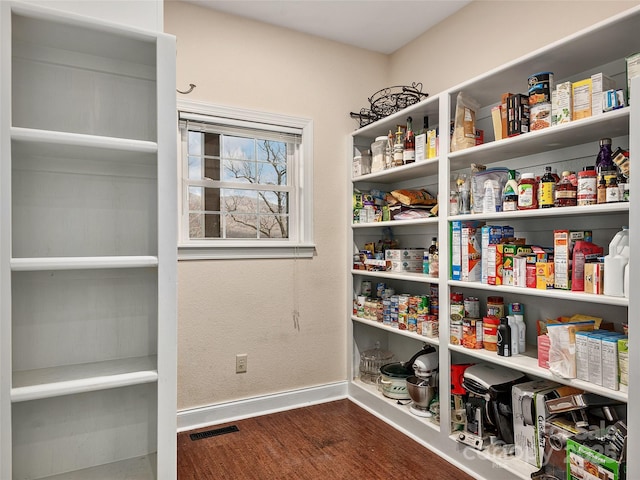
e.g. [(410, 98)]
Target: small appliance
[(423, 385), (488, 408)]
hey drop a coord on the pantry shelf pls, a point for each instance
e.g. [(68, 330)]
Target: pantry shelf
[(406, 333), (138, 468), (398, 223), (413, 277), (528, 363), (500, 457), (535, 292), (81, 263), (88, 377), (559, 212), (615, 123), (410, 171), (401, 406)]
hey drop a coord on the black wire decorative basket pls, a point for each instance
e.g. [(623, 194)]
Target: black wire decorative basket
[(389, 100)]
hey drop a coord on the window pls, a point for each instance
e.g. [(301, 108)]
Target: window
[(246, 183)]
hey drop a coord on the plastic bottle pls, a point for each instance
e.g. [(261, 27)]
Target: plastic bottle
[(510, 193), (615, 262), (511, 320), (517, 310), (547, 189), (504, 338), (527, 192), (566, 192)]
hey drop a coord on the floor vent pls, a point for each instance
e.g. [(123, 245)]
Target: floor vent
[(214, 433)]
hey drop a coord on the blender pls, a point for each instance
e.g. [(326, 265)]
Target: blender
[(422, 386)]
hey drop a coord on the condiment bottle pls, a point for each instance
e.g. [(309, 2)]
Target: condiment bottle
[(587, 186), (510, 193), (566, 192), (527, 192), (547, 189), (613, 192), (434, 258), (602, 190), (409, 154)]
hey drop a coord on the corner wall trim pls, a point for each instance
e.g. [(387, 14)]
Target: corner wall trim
[(252, 407)]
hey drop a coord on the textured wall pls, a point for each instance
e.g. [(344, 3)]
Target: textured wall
[(229, 307)]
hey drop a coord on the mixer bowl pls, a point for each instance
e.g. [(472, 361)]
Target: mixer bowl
[(421, 390)]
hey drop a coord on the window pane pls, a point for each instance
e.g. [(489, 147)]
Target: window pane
[(204, 225), (274, 226), (272, 151), (273, 202), (272, 173), (196, 198), (240, 201), (239, 148), (240, 225), (239, 171), (194, 143)]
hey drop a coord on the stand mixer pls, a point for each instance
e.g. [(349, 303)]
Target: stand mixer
[(422, 386)]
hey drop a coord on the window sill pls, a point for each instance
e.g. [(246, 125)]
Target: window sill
[(239, 251)]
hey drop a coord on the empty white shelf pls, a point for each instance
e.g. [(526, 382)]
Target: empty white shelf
[(87, 377), (138, 468), (81, 263)]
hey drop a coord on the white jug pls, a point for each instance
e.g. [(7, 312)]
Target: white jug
[(615, 263)]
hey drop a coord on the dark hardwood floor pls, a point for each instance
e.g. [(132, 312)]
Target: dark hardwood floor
[(331, 441)]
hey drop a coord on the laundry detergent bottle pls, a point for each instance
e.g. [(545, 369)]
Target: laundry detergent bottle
[(615, 263)]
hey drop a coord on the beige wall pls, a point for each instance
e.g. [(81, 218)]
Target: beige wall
[(230, 307), (474, 39)]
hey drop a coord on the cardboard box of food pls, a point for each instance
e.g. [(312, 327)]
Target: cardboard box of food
[(581, 98), (561, 104), (600, 83), (594, 278)]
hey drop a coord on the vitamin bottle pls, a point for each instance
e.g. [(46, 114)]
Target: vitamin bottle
[(566, 192), (527, 192), (547, 189)]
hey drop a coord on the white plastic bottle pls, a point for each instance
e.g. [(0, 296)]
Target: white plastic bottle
[(515, 334), (615, 263)]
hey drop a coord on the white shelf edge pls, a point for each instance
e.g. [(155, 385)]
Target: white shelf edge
[(82, 140), (136, 468), (412, 277), (400, 172), (564, 130), (528, 364), (601, 209), (373, 391), (406, 333), (90, 377), (81, 263), (536, 292), (397, 223), (500, 458)]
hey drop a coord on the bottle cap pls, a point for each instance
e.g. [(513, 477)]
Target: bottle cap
[(605, 141), (527, 175), (566, 173)]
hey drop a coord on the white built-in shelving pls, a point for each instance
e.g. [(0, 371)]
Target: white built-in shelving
[(571, 146), (87, 248)]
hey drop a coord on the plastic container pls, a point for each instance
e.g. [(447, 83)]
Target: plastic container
[(378, 149), (490, 333), (527, 192), (615, 263)]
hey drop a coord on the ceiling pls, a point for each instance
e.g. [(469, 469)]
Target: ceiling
[(378, 25)]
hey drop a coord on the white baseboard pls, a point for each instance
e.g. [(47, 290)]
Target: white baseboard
[(263, 405)]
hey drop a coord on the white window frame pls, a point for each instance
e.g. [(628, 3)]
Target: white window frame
[(301, 244)]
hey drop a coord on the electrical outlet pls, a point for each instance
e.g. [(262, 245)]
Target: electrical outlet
[(241, 363)]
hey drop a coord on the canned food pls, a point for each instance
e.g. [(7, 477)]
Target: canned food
[(472, 333), (540, 87), (472, 307), (455, 333), (365, 288)]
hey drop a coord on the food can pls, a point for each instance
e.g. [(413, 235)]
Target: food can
[(365, 288), (490, 333), (412, 322), (540, 87), (472, 333), (430, 327), (472, 307), (455, 332), (380, 288), (360, 302), (539, 116)]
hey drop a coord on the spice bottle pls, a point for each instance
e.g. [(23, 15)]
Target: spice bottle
[(547, 189), (613, 192), (566, 192), (587, 186), (510, 193), (602, 190), (527, 192)]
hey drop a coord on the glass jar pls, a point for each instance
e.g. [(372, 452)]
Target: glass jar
[(587, 186)]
